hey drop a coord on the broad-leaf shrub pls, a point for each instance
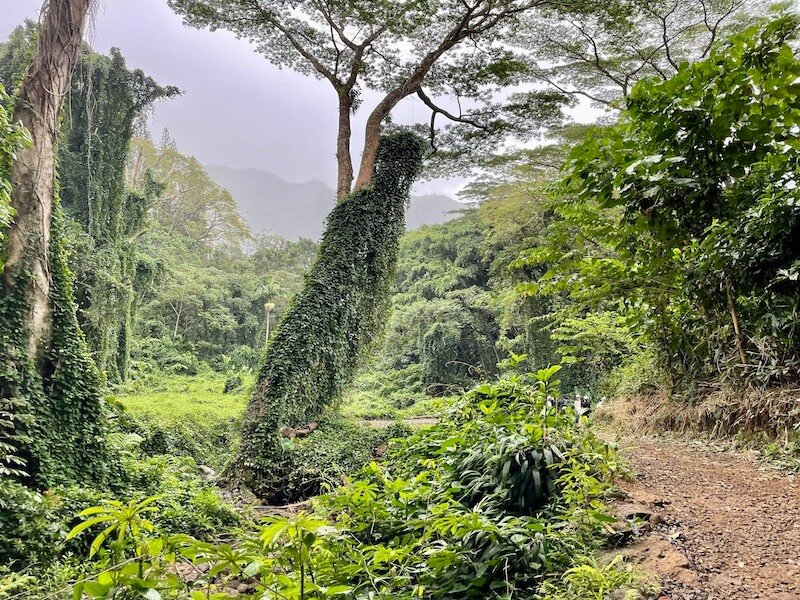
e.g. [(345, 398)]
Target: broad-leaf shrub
[(501, 496), (34, 525), (477, 504), (683, 217)]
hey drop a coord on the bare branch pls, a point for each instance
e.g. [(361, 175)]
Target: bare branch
[(290, 35), (455, 118)]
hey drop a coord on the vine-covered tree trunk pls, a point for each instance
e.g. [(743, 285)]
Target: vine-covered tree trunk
[(332, 321), (37, 107), (46, 375)]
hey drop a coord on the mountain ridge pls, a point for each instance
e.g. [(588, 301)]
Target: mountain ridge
[(295, 210)]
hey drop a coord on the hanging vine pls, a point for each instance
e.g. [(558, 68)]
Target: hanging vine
[(14, 410), (51, 408), (105, 100), (58, 428)]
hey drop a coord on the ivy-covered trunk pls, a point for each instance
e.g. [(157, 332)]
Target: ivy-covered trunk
[(37, 108), (333, 320), (46, 375)]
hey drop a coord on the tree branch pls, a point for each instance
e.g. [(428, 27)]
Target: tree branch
[(456, 118), (289, 34), (475, 20)]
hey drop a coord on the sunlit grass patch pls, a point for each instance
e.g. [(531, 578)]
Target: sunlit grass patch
[(176, 398)]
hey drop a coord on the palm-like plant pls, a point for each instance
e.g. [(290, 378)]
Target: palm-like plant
[(126, 521)]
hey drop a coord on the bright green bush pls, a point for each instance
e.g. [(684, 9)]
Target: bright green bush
[(589, 581), (473, 507), (28, 531), (182, 416), (34, 525), (208, 443), (680, 222), (185, 502), (383, 393)]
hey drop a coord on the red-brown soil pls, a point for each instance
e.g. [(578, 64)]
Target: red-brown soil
[(730, 527)]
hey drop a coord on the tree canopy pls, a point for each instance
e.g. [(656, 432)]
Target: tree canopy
[(685, 213), (431, 49), (600, 51)]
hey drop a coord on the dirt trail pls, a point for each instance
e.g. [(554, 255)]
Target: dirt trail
[(411, 422), (733, 525)]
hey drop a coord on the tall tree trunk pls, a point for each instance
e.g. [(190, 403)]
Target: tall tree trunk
[(344, 159), (314, 351), (46, 374), (374, 127), (37, 107), (371, 141)]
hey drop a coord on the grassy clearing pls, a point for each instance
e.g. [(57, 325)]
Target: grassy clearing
[(171, 399), (184, 415), (369, 405), (177, 398), (379, 394)]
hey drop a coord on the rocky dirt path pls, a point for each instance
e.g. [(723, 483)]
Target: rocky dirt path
[(730, 528)]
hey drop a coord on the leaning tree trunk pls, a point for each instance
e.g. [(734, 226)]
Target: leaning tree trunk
[(332, 321), (46, 375)]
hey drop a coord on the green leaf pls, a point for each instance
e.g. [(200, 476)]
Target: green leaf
[(78, 529)]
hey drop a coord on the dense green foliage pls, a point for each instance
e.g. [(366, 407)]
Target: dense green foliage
[(148, 235), (641, 267), (333, 320), (105, 214), (13, 409), (193, 416), (667, 251), (212, 278), (183, 416), (56, 404), (35, 525), (11, 136), (16, 52), (456, 316), (472, 507), (329, 456), (105, 100), (685, 216), (59, 416), (442, 318)]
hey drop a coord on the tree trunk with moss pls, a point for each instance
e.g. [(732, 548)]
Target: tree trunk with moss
[(333, 320), (37, 107), (45, 370)]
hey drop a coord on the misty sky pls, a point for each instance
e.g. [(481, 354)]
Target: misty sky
[(237, 110)]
